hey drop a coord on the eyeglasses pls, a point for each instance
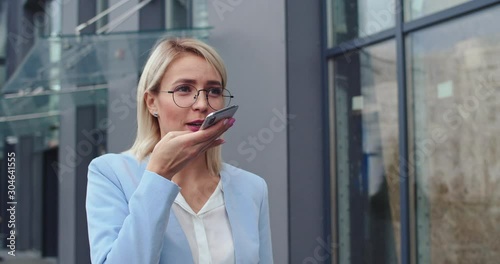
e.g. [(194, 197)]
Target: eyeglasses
[(185, 96)]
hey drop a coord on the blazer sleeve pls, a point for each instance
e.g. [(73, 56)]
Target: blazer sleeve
[(265, 245), (121, 231)]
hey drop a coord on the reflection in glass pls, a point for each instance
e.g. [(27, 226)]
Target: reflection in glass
[(3, 29), (86, 60), (102, 5), (200, 13), (30, 127), (454, 79), (352, 19), (177, 15), (2, 75), (418, 8), (366, 127)]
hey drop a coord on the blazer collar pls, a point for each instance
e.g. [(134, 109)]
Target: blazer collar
[(236, 217)]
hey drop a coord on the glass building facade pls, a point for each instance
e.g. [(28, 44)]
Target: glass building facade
[(3, 39), (414, 92), (54, 77)]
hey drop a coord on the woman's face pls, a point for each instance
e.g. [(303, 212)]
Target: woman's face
[(187, 73)]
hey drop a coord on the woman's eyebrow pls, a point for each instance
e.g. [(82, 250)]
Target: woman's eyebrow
[(191, 81), (214, 83)]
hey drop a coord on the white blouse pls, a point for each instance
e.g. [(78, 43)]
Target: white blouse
[(208, 231)]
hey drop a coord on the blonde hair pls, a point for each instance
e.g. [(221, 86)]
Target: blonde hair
[(164, 53)]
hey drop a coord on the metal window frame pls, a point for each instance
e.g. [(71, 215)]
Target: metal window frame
[(331, 213), (114, 23), (398, 33)]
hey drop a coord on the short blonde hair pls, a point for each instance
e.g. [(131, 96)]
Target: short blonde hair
[(164, 53)]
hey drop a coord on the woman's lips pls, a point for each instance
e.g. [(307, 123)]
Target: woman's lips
[(193, 128), (195, 125)]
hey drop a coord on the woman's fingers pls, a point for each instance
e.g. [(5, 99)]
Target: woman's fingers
[(210, 134), (212, 144), (177, 148), (174, 134), (201, 138), (223, 126), (209, 138)]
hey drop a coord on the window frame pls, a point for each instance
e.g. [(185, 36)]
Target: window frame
[(399, 33)]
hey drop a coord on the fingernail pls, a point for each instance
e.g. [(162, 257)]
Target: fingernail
[(226, 120), (231, 121)]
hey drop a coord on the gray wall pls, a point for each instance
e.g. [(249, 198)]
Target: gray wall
[(250, 36), (307, 148), (67, 141)]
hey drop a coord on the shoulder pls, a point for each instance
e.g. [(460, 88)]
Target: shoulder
[(113, 166), (112, 160), (242, 179)]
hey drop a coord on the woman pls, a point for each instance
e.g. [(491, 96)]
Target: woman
[(170, 199)]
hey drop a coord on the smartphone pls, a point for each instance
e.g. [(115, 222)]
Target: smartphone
[(218, 115)]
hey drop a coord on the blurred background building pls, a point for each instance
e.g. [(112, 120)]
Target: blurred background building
[(374, 123)]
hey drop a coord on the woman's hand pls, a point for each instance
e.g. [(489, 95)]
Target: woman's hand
[(176, 149)]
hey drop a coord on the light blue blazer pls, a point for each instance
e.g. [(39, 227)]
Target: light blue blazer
[(130, 219)]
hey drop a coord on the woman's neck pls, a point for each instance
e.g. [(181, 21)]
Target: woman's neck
[(196, 172)]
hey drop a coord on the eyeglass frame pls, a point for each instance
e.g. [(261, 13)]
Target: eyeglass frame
[(230, 96)]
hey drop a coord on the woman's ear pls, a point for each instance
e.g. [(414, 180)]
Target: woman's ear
[(150, 101)]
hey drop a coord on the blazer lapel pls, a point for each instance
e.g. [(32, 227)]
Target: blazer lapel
[(176, 245), (175, 235), (235, 216)]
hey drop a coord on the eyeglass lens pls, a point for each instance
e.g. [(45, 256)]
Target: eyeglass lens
[(217, 98)]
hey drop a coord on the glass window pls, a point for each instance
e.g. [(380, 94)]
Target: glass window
[(419, 8), (2, 75), (177, 13), (3, 41), (454, 81), (3, 28), (102, 5), (186, 14), (361, 18), (200, 13), (366, 155)]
